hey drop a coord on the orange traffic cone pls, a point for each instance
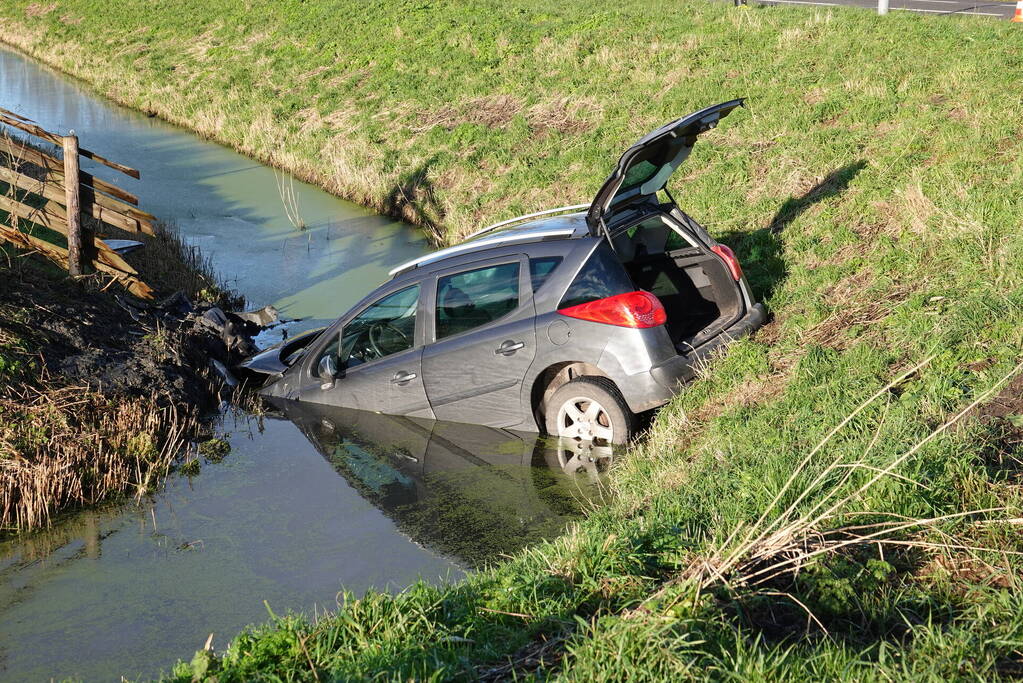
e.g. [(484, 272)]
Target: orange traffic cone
[(1017, 18)]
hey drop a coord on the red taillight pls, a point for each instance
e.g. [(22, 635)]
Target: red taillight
[(729, 257), (632, 309)]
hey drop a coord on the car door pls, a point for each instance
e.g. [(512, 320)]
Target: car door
[(378, 351), (482, 326)]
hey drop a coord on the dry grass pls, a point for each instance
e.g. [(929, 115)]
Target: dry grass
[(68, 447), (63, 446), (856, 306), (494, 111), (782, 541), (564, 115), (37, 9)]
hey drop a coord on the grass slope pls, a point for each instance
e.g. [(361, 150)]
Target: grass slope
[(873, 191)]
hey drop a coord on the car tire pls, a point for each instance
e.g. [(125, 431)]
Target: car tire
[(569, 412)]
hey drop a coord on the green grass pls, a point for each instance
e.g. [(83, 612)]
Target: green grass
[(874, 192)]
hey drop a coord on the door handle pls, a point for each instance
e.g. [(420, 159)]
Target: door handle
[(403, 377), (509, 347)]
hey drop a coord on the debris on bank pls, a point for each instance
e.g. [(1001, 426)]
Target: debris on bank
[(101, 393)]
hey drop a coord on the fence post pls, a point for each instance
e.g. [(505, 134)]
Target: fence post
[(74, 211)]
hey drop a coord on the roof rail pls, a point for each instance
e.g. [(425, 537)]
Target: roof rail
[(548, 212), (464, 246)]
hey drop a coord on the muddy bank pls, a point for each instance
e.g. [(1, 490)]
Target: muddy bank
[(100, 394), (88, 338)]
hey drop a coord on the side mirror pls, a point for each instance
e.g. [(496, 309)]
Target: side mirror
[(328, 367)]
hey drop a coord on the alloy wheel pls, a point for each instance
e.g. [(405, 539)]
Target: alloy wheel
[(585, 419)]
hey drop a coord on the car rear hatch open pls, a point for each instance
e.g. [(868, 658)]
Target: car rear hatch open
[(697, 283), (645, 168)]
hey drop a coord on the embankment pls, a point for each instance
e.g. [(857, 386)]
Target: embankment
[(805, 510), (100, 395)]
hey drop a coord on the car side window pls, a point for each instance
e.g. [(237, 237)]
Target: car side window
[(476, 297), (540, 268), (601, 276), (385, 327)]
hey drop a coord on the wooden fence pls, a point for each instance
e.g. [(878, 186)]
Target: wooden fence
[(60, 198)]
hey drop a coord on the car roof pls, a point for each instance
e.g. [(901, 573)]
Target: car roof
[(563, 227)]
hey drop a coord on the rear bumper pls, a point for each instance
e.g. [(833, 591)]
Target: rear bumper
[(654, 388)]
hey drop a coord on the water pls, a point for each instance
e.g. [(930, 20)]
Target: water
[(227, 204), (307, 503)]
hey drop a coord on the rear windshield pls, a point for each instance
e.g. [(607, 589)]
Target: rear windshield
[(650, 237), (600, 277), (660, 158)]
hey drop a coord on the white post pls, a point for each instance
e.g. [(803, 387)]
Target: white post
[(882, 7)]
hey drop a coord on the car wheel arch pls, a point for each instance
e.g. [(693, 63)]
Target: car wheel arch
[(553, 378)]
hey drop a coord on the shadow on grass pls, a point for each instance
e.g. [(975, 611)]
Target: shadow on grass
[(414, 200), (833, 183), (761, 253)]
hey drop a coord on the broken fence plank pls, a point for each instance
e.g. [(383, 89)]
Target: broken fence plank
[(35, 130), (134, 285), (55, 192), (15, 115), (58, 254), (33, 242), (56, 168), (40, 216)]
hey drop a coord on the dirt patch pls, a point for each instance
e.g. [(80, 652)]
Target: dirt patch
[(86, 338), (1007, 404), (1003, 415), (563, 115)]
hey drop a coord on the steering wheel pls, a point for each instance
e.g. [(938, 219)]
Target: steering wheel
[(374, 336)]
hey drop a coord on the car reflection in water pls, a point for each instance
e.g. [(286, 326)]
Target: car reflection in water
[(470, 492)]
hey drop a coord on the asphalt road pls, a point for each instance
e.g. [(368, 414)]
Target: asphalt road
[(1001, 10)]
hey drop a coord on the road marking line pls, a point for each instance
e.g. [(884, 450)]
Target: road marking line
[(904, 9), (941, 11)]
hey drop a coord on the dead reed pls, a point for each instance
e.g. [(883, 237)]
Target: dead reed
[(68, 447)]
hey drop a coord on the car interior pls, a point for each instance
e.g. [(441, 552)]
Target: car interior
[(696, 289), (385, 327)]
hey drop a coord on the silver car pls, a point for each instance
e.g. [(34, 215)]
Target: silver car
[(570, 321)]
